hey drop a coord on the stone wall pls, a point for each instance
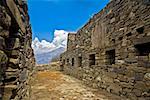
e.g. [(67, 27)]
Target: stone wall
[(16, 54), (113, 50)]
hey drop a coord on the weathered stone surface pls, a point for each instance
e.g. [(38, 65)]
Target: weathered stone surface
[(16, 14), (129, 60), (147, 76), (98, 79), (13, 43), (14, 61), (114, 88), (8, 91), (107, 79), (5, 20), (147, 84), (23, 75), (126, 85), (139, 76), (4, 33), (3, 58), (13, 53), (126, 90), (2, 43), (137, 92), (119, 41), (140, 85), (15, 50)]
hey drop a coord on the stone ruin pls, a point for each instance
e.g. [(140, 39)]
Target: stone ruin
[(112, 51), (16, 55)]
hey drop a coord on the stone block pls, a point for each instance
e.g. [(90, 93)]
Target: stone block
[(131, 60), (137, 92), (142, 40), (4, 33), (120, 61), (122, 78), (10, 75), (147, 84), (112, 20), (127, 90), (132, 96), (139, 76), (14, 43), (116, 81), (23, 75), (114, 88), (147, 76), (112, 75), (126, 85), (148, 34), (14, 61), (130, 73), (14, 53), (8, 92), (107, 79), (146, 94), (5, 20), (3, 58), (1, 29), (120, 70), (2, 43), (99, 79), (140, 85)]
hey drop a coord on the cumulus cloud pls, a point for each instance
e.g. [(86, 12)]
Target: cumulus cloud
[(60, 40)]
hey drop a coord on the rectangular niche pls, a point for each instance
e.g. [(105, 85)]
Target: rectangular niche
[(92, 59), (110, 57), (79, 61), (143, 53), (63, 62), (67, 61), (72, 62), (140, 30)]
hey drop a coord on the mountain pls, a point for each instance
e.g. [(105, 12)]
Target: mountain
[(46, 57), (45, 51)]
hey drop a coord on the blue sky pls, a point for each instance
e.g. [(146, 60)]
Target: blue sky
[(46, 16)]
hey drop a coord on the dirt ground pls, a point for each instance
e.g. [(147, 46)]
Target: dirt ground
[(54, 85)]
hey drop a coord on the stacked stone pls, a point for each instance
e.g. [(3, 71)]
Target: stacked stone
[(117, 40), (71, 44), (16, 54)]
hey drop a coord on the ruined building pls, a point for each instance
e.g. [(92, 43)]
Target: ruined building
[(16, 55), (112, 51)]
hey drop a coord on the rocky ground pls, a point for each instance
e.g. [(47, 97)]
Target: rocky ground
[(54, 85)]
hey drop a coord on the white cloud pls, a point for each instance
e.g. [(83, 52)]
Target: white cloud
[(60, 40)]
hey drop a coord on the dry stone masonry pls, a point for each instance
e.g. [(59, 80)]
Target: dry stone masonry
[(16, 54), (112, 51)]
